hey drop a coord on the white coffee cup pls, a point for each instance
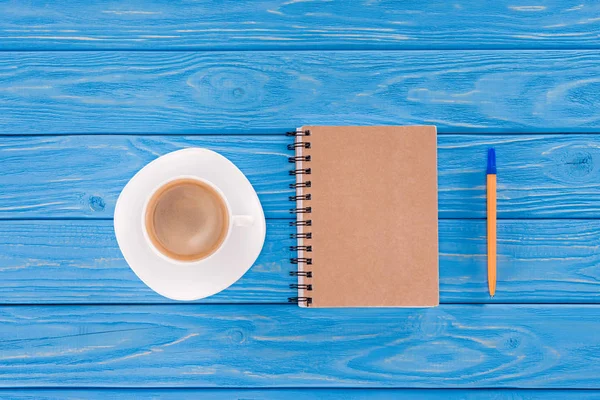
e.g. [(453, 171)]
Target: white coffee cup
[(190, 280), (234, 221)]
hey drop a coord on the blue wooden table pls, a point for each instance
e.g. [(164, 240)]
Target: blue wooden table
[(90, 93)]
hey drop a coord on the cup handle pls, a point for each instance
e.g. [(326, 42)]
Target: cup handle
[(243, 220)]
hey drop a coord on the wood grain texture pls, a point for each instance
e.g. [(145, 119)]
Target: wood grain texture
[(546, 261), (303, 394), (449, 77), (518, 346), (550, 176), (540, 176), (80, 262), (280, 24), (79, 176), (265, 92)]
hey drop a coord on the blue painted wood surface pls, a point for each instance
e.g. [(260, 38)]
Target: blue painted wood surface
[(277, 24), (232, 76), (540, 176), (310, 394), (527, 346), (269, 92), (543, 261)]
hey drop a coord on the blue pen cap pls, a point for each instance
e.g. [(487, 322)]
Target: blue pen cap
[(491, 166)]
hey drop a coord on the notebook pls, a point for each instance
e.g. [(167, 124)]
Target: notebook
[(366, 216)]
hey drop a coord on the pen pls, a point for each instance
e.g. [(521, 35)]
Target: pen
[(491, 220)]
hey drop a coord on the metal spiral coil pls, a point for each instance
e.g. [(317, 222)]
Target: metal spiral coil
[(305, 184), (301, 210), (301, 197), (301, 260), (301, 248), (300, 143), (307, 300), (295, 159), (307, 235), (306, 222), (301, 171), (301, 286), (298, 133), (307, 274), (293, 146)]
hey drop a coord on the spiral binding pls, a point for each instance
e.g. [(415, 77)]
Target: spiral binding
[(296, 145), (301, 248), (300, 142), (301, 260), (298, 158), (301, 210), (301, 197), (307, 274), (301, 223), (301, 286), (307, 235), (307, 300), (305, 184), (301, 171)]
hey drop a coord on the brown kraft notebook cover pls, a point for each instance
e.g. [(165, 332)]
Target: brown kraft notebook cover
[(366, 206)]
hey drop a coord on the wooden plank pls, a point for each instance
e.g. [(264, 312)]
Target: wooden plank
[(517, 346), (539, 261), (304, 394), (80, 262), (540, 176), (82, 177), (550, 176), (280, 24), (262, 92), (545, 261)]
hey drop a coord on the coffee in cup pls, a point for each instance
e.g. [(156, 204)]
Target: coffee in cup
[(187, 219)]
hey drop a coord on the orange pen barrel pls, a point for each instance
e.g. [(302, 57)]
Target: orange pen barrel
[(491, 221), (491, 232)]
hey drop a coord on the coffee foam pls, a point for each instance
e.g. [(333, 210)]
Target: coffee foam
[(187, 220)]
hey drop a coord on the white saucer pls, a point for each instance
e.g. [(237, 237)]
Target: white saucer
[(203, 278)]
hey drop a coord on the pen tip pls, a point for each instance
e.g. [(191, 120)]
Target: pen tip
[(491, 164)]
